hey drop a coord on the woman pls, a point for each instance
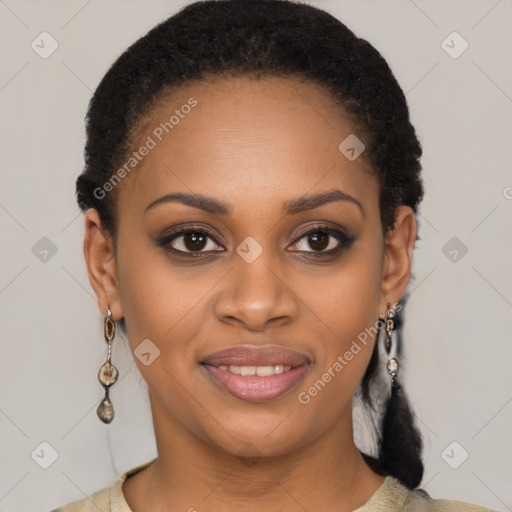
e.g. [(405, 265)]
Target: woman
[(250, 191)]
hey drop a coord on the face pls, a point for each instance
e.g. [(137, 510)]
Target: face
[(275, 250)]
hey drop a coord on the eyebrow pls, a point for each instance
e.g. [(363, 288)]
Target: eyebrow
[(291, 207)]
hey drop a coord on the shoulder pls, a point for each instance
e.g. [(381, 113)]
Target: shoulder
[(420, 502), (393, 496), (109, 499)]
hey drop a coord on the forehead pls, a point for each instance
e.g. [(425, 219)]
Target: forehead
[(267, 137)]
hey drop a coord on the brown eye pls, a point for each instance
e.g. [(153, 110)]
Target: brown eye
[(190, 240), (319, 240), (323, 241), (195, 241)]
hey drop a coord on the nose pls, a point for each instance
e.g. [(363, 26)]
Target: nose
[(257, 295)]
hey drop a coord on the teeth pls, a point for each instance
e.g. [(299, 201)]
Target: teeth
[(247, 370), (264, 371), (261, 371)]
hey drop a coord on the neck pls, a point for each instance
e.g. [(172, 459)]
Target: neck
[(327, 474)]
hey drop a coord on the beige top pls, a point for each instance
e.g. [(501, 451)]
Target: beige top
[(391, 496)]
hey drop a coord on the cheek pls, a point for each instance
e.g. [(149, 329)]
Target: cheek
[(164, 306), (142, 288), (346, 301), (345, 308), (167, 305)]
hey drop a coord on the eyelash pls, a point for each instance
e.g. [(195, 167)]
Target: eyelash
[(345, 241)]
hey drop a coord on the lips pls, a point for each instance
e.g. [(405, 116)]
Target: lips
[(246, 372), (257, 356)]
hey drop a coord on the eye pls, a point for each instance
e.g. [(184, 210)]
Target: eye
[(190, 240), (324, 241)]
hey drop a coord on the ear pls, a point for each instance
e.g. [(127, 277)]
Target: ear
[(398, 252), (101, 264)]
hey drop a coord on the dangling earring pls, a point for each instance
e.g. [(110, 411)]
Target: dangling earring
[(392, 363), (399, 439), (108, 372)]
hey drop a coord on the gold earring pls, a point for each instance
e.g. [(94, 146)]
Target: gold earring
[(108, 373)]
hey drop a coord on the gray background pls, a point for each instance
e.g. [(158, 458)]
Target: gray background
[(458, 320)]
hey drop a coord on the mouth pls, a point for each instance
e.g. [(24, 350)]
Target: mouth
[(256, 374)]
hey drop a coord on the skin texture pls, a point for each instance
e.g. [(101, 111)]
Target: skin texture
[(253, 144)]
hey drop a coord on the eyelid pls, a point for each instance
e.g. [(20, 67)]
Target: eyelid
[(323, 227)]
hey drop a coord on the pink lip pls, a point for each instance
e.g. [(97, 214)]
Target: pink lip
[(244, 355), (254, 388)]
